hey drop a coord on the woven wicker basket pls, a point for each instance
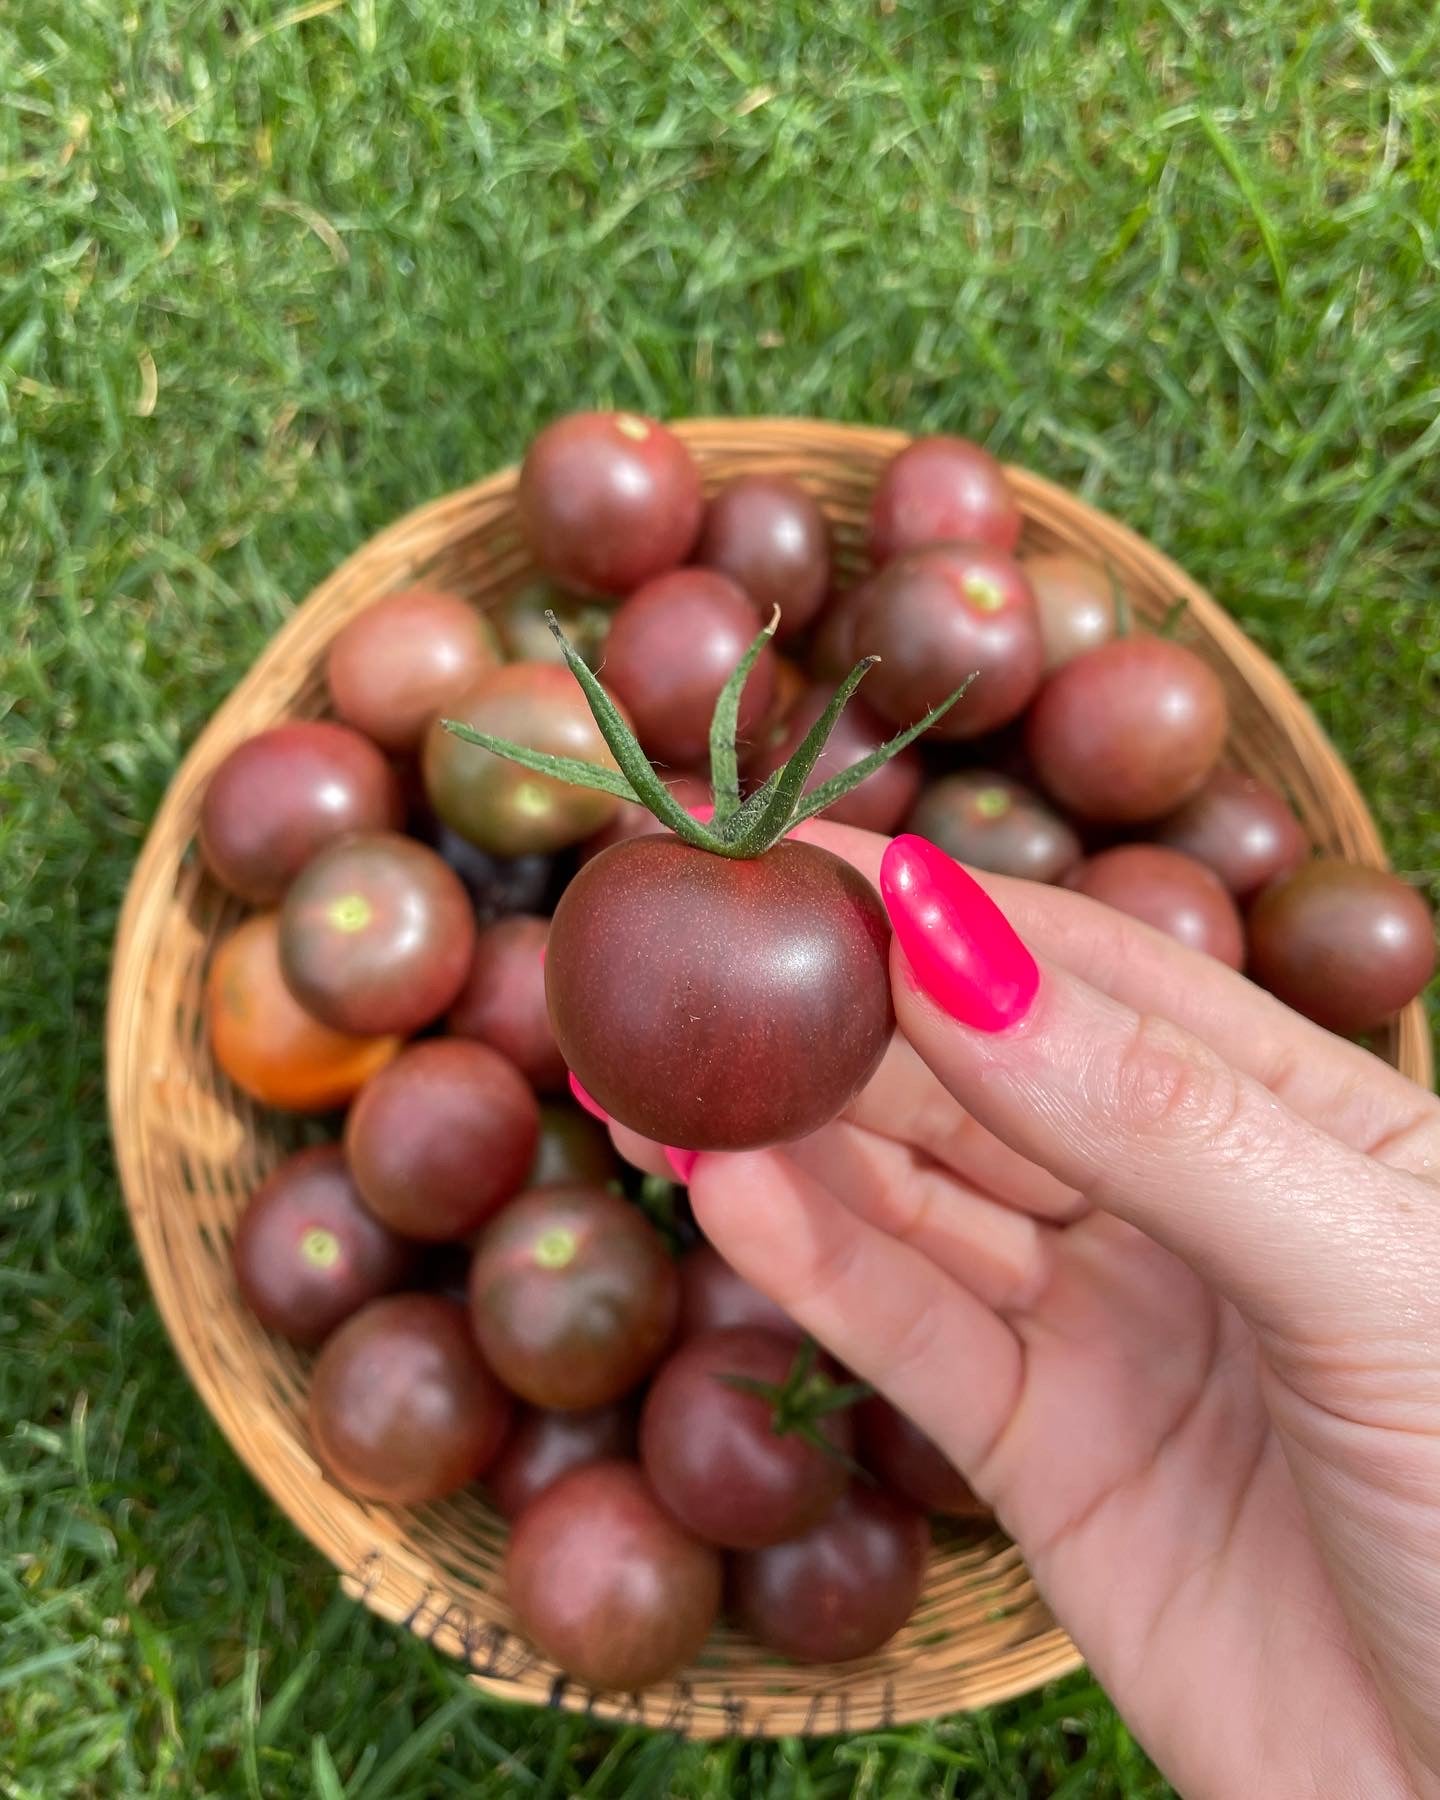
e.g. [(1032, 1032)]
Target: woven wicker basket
[(191, 1148)]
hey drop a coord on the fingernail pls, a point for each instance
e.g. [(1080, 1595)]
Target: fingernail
[(681, 1161), (963, 950), (593, 1107), (703, 812)]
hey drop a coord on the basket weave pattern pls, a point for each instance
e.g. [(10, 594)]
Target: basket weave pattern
[(191, 1148)]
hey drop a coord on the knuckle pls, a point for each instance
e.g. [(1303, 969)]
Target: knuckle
[(1167, 1085)]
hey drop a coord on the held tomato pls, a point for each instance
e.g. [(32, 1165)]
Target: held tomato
[(502, 1002), (307, 1253), (283, 795), (546, 1445), (843, 1589), (608, 500), (942, 487), (912, 1464), (716, 1456), (607, 1584), (404, 659), (442, 1138), (376, 934), (267, 1043), (573, 1296), (717, 1004), (1168, 890), (402, 1407)]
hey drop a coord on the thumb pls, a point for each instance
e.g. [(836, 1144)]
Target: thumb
[(1302, 1233)]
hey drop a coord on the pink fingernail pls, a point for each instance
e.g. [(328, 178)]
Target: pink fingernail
[(681, 1161), (963, 950), (703, 813), (593, 1107), (543, 949)]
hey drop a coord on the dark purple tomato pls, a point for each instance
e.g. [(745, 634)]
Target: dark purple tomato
[(1240, 828), (402, 1406), (266, 1042), (717, 1004), (1125, 733), (714, 1298), (913, 1465), (769, 535), (607, 500), (442, 1138), (543, 1446), (286, 793), (405, 659), (503, 1000), (712, 1452), (573, 1296), (1345, 945), (498, 885), (833, 651), (1076, 602), (525, 631), (606, 1584), (881, 801), (573, 1149), (492, 801), (632, 820), (935, 617), (844, 1588), (1168, 890), (994, 822), (307, 1254), (672, 646), (376, 934), (942, 487)]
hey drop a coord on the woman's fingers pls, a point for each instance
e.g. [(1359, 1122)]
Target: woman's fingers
[(1307, 1236), (882, 1307), (1348, 1093)]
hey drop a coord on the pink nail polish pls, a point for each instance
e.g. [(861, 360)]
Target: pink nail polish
[(964, 951), (593, 1107), (703, 812), (681, 1161)]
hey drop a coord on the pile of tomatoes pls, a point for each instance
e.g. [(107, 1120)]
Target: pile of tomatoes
[(487, 1296)]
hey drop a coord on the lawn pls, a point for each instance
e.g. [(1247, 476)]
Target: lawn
[(270, 275)]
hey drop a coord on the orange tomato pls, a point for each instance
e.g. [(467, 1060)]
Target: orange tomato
[(264, 1039)]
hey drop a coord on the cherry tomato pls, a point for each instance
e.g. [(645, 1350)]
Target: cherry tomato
[(1240, 828), (525, 630), (497, 885), (913, 1465), (717, 1004), (493, 802), (442, 1138), (937, 616), (402, 1406), (405, 659), (281, 796), (833, 651), (942, 487), (546, 1445), (715, 1454), (503, 1000), (632, 821), (714, 1298), (844, 1588), (672, 647), (306, 1252), (266, 1042), (376, 934), (1125, 733), (573, 1296), (607, 500), (770, 537), (883, 799), (573, 1149), (994, 822), (1168, 890), (1076, 602), (1345, 945), (604, 1581)]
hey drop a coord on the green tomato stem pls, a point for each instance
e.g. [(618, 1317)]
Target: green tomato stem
[(724, 767)]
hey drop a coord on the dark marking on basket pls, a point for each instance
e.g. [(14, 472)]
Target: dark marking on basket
[(630, 1709), (887, 1704), (367, 1572), (682, 1709), (734, 1710), (556, 1695), (410, 1621)]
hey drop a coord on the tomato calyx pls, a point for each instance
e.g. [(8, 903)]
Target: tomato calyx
[(739, 828), (803, 1398)]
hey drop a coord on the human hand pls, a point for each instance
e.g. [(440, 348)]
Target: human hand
[(1157, 1264)]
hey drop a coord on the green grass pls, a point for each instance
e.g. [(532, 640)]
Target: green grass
[(266, 280)]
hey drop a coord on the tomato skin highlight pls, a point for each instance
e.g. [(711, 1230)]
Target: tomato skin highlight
[(719, 1004)]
